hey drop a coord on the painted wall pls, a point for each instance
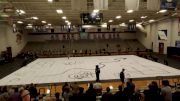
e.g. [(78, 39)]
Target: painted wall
[(9, 39), (171, 25)]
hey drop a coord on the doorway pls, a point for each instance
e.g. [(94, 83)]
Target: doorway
[(161, 48)]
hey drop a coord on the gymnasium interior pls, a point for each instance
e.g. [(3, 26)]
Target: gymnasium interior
[(49, 50)]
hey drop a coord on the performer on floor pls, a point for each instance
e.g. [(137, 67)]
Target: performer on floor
[(97, 71), (122, 76)]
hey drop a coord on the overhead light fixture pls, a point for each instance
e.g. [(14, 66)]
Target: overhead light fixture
[(122, 24), (110, 21), (49, 24), (34, 18), (130, 11), (131, 20), (95, 11), (163, 11), (59, 11), (50, 1), (87, 26), (143, 17), (66, 21), (64, 17), (21, 12), (30, 24), (4, 15), (118, 17), (19, 22), (69, 23), (152, 20), (43, 21), (104, 25)]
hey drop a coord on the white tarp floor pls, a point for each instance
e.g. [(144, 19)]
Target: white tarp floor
[(74, 69)]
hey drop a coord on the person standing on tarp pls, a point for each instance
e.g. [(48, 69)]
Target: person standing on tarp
[(122, 76), (97, 71)]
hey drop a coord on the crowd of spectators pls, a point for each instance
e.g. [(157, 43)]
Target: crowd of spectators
[(73, 92)]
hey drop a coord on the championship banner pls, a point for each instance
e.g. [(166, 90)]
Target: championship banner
[(153, 5), (83, 35), (100, 4), (168, 4), (106, 36), (79, 5), (132, 5)]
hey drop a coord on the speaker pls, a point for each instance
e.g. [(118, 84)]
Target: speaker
[(114, 29), (83, 30), (99, 29), (52, 30)]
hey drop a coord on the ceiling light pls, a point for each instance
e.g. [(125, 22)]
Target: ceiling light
[(21, 12), (152, 20), (110, 21), (50, 0), (43, 21), (69, 23), (131, 20), (34, 18), (118, 17), (29, 24), (143, 17), (4, 15), (49, 24), (66, 21), (87, 26), (130, 11), (95, 11), (64, 17), (59, 11), (20, 22), (104, 25), (122, 25), (163, 11)]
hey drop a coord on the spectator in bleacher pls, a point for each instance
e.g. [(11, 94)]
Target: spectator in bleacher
[(166, 91), (65, 87), (119, 94), (4, 96), (108, 96), (75, 88), (90, 93), (153, 93), (33, 91), (15, 96), (79, 96), (25, 96), (57, 97), (67, 94), (131, 85), (128, 92)]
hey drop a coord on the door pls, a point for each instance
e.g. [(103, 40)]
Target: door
[(161, 48)]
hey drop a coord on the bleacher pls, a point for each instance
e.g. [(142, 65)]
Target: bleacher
[(84, 47)]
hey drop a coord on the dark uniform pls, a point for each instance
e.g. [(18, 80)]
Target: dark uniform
[(97, 71)]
